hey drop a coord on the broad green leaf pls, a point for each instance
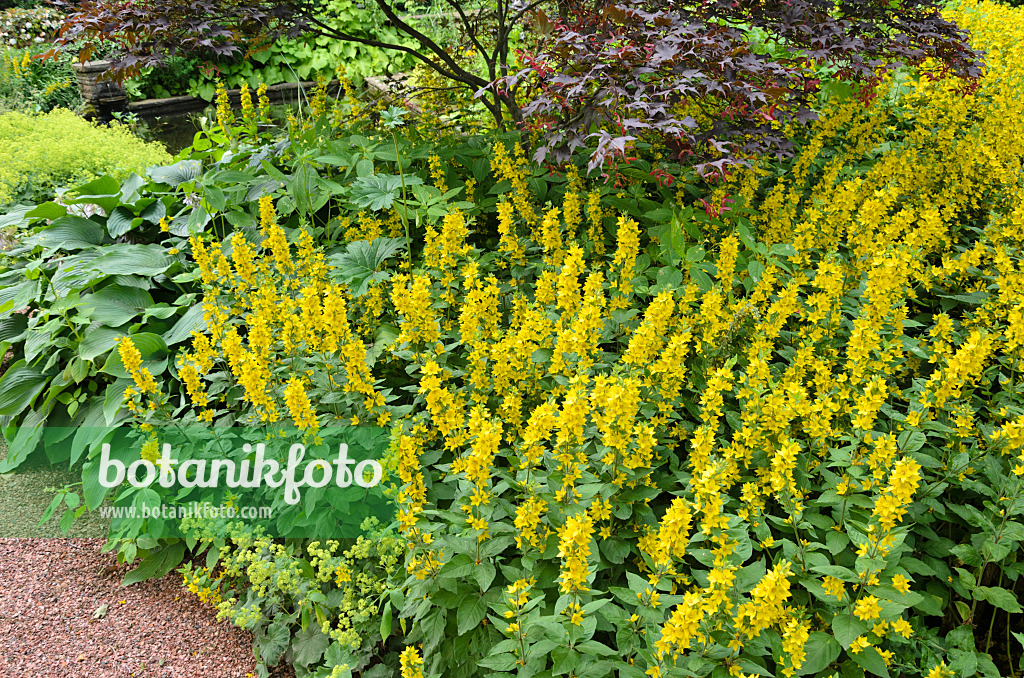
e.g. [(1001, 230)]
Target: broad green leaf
[(193, 320), (378, 192), (115, 305), (154, 356), (1000, 597), (17, 297), (19, 386), (821, 650), (846, 628), (68, 234), (98, 341), (872, 662), (75, 274), (179, 173), (12, 328), (472, 611), (104, 192), (309, 645), (362, 261), (124, 259), (47, 210)]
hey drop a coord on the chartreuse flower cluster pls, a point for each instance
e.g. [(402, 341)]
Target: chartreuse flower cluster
[(806, 460), (339, 588)]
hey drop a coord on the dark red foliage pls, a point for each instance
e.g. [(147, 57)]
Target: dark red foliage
[(148, 32), (611, 76)]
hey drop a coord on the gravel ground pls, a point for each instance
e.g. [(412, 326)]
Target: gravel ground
[(51, 590)]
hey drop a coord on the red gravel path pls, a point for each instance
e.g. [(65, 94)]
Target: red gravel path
[(49, 590)]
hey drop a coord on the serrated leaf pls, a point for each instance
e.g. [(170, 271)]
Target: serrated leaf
[(310, 645), (379, 191), (362, 261)]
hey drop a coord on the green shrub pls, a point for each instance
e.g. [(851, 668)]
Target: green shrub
[(40, 153), (28, 83)]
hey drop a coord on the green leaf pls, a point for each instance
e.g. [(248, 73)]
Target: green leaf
[(75, 274), (821, 650), (966, 578), (176, 174), (272, 642), (98, 341), (379, 191), (846, 628), (47, 210), (310, 645), (156, 564), (506, 661), (361, 262), (11, 329), (385, 623), (115, 305), (564, 660), (26, 440), (19, 386), (17, 297), (999, 597), (872, 662), (930, 605), (154, 356), (120, 221), (701, 279), (104, 192), (472, 611), (124, 259), (594, 648), (192, 321), (68, 234)]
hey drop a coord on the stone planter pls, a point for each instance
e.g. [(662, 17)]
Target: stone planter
[(103, 97)]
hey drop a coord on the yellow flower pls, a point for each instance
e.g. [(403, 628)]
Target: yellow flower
[(858, 644), (411, 663), (835, 587), (900, 583), (867, 608), (298, 404), (902, 627)]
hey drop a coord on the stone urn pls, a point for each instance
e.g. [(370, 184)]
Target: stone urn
[(102, 96)]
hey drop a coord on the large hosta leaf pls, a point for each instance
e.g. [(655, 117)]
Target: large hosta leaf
[(154, 356), (144, 260), (193, 320), (20, 384), (98, 341), (74, 274), (176, 174), (115, 305), (121, 220), (68, 234)]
